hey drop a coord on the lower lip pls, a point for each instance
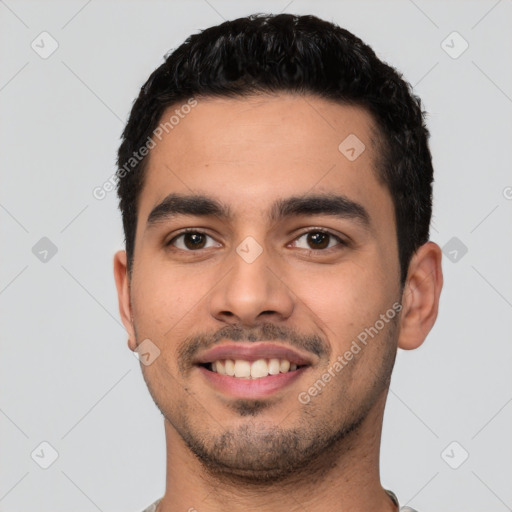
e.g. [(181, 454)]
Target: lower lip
[(251, 388)]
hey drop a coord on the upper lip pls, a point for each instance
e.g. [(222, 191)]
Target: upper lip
[(251, 351)]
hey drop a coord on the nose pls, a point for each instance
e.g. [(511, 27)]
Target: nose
[(252, 292)]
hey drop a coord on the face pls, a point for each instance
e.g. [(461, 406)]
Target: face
[(257, 234)]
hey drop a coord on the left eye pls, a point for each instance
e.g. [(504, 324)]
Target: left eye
[(318, 240)]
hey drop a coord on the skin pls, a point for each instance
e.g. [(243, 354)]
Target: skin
[(275, 453)]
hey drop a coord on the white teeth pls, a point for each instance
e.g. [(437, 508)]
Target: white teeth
[(229, 366), (252, 370), (259, 369), (242, 368), (273, 366), (221, 368)]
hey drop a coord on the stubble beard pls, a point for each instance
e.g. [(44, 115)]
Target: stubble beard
[(260, 453)]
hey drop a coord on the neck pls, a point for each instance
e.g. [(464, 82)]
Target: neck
[(344, 479)]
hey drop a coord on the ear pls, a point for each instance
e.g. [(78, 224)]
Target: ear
[(123, 295), (420, 298)]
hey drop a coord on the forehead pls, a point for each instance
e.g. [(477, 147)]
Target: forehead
[(248, 152)]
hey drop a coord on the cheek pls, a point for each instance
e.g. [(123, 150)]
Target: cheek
[(345, 298), (159, 300)]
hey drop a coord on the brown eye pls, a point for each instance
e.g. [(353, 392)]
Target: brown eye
[(194, 241), (191, 241), (317, 240)]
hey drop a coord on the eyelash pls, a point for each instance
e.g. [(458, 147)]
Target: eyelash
[(340, 241)]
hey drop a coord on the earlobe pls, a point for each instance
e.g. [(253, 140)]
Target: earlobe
[(123, 295), (420, 298)]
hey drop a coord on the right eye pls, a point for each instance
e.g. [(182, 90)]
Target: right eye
[(191, 240)]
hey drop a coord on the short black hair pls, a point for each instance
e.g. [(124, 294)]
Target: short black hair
[(265, 53)]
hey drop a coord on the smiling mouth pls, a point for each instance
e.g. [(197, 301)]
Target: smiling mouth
[(250, 370)]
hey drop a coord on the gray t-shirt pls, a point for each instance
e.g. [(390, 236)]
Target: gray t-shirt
[(152, 507)]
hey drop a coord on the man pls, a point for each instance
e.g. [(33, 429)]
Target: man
[(275, 185)]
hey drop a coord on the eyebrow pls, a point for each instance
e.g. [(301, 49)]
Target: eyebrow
[(198, 205)]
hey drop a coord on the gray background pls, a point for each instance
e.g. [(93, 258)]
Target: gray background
[(67, 376)]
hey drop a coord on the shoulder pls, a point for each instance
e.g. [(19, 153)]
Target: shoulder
[(152, 507), (393, 497)]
